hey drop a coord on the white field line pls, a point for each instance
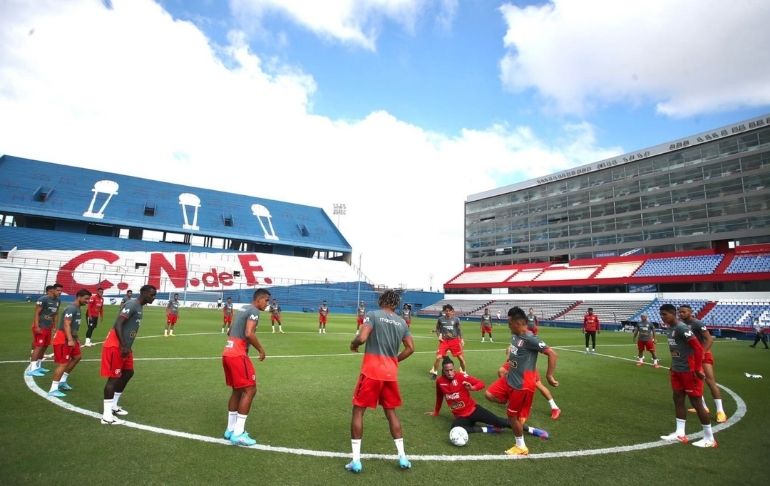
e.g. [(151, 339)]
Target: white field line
[(735, 418)]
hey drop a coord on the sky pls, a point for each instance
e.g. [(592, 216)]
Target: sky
[(398, 109)]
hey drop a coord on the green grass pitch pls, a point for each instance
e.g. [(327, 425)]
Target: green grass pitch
[(303, 402)]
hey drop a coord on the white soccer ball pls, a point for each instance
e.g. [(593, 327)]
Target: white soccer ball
[(458, 436)]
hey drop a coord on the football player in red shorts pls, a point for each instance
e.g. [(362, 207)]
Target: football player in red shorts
[(517, 386), (323, 316), (239, 370), (66, 347), (450, 339), (46, 311), (686, 377), (227, 315)]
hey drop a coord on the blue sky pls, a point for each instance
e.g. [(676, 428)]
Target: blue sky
[(327, 100)]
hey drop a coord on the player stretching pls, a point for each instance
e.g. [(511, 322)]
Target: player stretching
[(686, 377), (486, 325), (95, 311), (172, 315), (66, 347), (275, 316), (644, 335), (450, 338), (455, 388), (706, 340), (46, 309), (227, 315), (239, 370), (117, 355), (383, 332), (360, 315), (323, 316), (517, 387), (591, 328)]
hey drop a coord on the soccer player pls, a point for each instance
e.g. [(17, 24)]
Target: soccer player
[(383, 332), (275, 316), (486, 325), (129, 295), (686, 377), (517, 387), (66, 347), (591, 328), (406, 314), (360, 315), (227, 315), (555, 410), (46, 310), (706, 341), (117, 355), (760, 334), (323, 316), (450, 339), (95, 311), (239, 370), (172, 315), (532, 321), (644, 335), (455, 388)]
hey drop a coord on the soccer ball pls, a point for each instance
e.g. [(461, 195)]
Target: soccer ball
[(458, 436)]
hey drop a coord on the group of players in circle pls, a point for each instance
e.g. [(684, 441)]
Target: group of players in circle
[(385, 333)]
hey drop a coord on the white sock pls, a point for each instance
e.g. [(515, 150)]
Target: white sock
[(520, 442), (708, 434), (703, 398), (54, 386), (116, 399), (355, 444), (231, 417), (64, 377), (280, 328), (680, 423), (587, 350), (240, 424), (641, 359), (107, 415), (400, 446), (552, 403), (718, 403), (655, 361)]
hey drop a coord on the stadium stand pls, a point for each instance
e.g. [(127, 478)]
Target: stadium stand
[(676, 266)]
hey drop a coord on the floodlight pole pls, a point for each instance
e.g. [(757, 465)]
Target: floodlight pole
[(187, 271), (340, 209)]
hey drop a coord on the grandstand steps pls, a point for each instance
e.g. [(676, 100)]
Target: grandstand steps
[(724, 264), (705, 310), (562, 313), (744, 320)]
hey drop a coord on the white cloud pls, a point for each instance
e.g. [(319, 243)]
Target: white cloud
[(355, 22), (131, 90), (686, 56)]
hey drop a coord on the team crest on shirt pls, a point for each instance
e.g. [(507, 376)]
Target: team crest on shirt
[(132, 334)]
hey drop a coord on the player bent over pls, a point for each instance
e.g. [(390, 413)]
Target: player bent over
[(383, 332), (517, 387), (66, 347), (117, 355), (686, 377), (239, 370)]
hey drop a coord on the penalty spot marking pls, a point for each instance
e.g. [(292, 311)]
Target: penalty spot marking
[(740, 412)]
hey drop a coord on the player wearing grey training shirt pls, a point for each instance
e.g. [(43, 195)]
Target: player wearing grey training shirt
[(450, 339), (644, 335), (46, 310)]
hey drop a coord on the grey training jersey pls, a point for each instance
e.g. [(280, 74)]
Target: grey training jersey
[(173, 307), (486, 319), (132, 311), (72, 312), (448, 328), (645, 331), (680, 349), (523, 360), (49, 306), (248, 313), (698, 327)]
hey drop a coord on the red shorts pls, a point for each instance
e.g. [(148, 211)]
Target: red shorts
[(171, 319), (228, 320), (486, 329), (646, 345), (452, 345), (239, 371), (41, 339), (369, 392), (63, 353), (708, 358), (113, 364), (322, 319), (359, 320), (687, 382), (275, 318), (519, 401), (408, 322)]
